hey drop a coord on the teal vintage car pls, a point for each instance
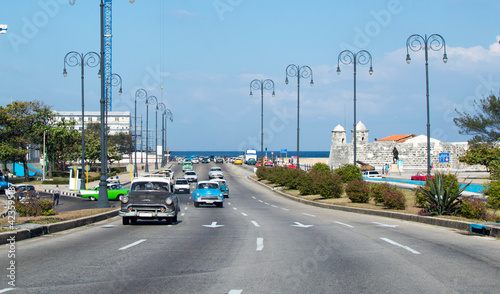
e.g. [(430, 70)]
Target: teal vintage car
[(222, 186), (187, 165), (115, 192)]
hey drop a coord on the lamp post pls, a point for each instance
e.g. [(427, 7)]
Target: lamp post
[(112, 80), (362, 57), (261, 85), (90, 59), (170, 116), (305, 71), (103, 201), (151, 100), (142, 94), (161, 107), (416, 43)]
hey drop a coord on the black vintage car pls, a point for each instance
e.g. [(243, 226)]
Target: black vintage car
[(150, 198)]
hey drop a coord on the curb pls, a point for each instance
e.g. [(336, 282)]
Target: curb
[(62, 193), (460, 225), (14, 236)]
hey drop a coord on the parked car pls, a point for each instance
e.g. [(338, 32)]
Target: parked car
[(252, 161), (149, 198), (181, 186), (115, 192), (4, 185), (26, 192), (420, 176), (191, 176), (268, 164), (372, 174), (208, 193), (215, 172), (222, 186), (258, 164)]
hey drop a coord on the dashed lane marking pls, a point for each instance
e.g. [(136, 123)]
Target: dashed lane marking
[(260, 244), (344, 224), (255, 224), (400, 245), (133, 244)]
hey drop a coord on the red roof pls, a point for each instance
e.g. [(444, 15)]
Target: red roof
[(397, 138)]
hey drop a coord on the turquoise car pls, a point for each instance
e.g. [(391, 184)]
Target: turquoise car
[(187, 165), (222, 186), (208, 193), (115, 192)]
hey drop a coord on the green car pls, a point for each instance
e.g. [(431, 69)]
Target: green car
[(187, 165), (115, 192)]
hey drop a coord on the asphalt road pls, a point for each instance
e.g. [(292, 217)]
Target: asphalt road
[(258, 243)]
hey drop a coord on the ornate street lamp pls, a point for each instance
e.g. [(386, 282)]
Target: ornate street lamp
[(261, 85), (305, 71), (151, 100), (103, 201), (168, 115), (90, 59), (161, 107), (362, 57), (142, 94), (416, 43)]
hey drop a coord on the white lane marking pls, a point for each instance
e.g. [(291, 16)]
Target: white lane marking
[(260, 244), (399, 245), (312, 215), (254, 197), (10, 289), (299, 225), (213, 225), (229, 203), (266, 203), (261, 201), (133, 244), (285, 209), (235, 292), (344, 224), (255, 224), (274, 206), (384, 225), (106, 227), (235, 208), (244, 214), (185, 208), (183, 214)]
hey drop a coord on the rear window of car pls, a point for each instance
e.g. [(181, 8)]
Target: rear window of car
[(150, 186), (191, 173), (181, 182)]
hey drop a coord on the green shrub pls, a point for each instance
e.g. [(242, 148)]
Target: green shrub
[(34, 207), (473, 208), (306, 185), (349, 172), (293, 177), (394, 199), (492, 190), (377, 190), (321, 168), (328, 185), (358, 191), (442, 195), (261, 173)]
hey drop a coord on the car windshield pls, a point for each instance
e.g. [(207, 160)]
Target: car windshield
[(208, 186), (181, 182), (150, 186)]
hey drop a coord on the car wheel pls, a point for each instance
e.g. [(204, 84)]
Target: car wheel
[(92, 198), (168, 221), (125, 220), (119, 197), (174, 219)]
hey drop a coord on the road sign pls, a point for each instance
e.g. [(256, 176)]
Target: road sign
[(3, 29), (284, 151), (444, 157)]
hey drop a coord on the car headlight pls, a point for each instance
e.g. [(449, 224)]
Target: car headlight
[(197, 194), (169, 201), (124, 199), (221, 194)]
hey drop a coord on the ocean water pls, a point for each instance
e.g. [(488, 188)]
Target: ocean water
[(305, 154)]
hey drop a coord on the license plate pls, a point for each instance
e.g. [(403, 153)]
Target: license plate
[(145, 214), (209, 202)]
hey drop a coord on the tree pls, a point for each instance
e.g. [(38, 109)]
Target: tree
[(63, 143), (122, 142), (21, 126), (485, 124)]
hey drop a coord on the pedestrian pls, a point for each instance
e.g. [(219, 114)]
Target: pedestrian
[(57, 194), (1, 174)]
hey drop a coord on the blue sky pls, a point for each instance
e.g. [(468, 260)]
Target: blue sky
[(204, 53)]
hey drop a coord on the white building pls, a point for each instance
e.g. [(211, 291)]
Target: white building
[(118, 121)]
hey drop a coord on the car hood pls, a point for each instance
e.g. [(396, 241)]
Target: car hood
[(148, 197), (208, 191)]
